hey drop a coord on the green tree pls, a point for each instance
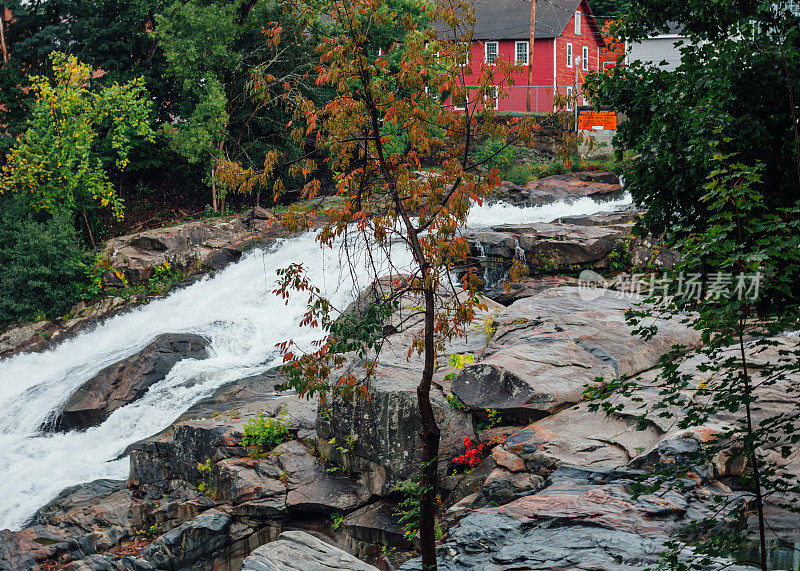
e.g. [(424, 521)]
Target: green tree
[(717, 163), (394, 78), (739, 75), (610, 8), (73, 136), (220, 58), (40, 262)]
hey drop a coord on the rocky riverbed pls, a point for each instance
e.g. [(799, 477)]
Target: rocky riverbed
[(554, 490), (554, 493)]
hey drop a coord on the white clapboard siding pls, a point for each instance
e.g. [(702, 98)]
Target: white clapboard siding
[(656, 50)]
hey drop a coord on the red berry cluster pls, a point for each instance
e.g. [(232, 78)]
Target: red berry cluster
[(472, 456)]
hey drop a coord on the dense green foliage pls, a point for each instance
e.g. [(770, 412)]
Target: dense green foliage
[(73, 136), (734, 86), (716, 160), (610, 8), (200, 60), (40, 262)]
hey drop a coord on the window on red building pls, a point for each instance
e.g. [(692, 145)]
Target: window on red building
[(491, 52), (521, 49)]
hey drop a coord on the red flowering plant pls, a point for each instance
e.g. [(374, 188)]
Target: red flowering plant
[(472, 457)]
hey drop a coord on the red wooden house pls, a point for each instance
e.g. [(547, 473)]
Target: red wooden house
[(567, 41)]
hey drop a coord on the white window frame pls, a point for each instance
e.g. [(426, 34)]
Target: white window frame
[(496, 97), (578, 23), (569, 54), (585, 58), (569, 98), (457, 107), (486, 51), (527, 52)]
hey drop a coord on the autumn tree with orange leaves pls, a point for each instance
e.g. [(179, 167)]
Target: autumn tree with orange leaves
[(614, 49), (394, 69)]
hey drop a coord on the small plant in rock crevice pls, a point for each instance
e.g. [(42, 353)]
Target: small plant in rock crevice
[(164, 276), (455, 402), (336, 520), (459, 361), (266, 433), (408, 507), (494, 419), (472, 456)]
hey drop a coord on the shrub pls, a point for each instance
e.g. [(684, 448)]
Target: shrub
[(494, 154), (554, 168), (266, 433), (472, 456), (41, 265), (408, 507), (520, 174), (455, 402)]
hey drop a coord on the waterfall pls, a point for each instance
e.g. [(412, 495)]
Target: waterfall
[(235, 310)]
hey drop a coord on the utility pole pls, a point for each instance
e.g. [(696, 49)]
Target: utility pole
[(575, 93), (530, 56)]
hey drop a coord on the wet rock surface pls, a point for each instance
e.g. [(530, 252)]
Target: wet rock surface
[(554, 489), (190, 542), (567, 242), (126, 381), (297, 550), (563, 187), (548, 347), (213, 243), (584, 519)]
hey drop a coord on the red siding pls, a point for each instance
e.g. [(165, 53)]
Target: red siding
[(543, 76), (566, 75), (516, 99)]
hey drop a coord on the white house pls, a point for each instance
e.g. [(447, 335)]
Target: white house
[(657, 49), (663, 49)]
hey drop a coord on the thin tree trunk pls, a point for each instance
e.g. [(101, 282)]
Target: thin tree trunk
[(430, 444), (88, 229), (752, 455), (213, 192), (3, 44)]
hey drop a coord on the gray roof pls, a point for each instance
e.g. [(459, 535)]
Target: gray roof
[(510, 19)]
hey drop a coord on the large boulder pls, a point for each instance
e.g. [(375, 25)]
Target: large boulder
[(159, 463), (95, 505), (288, 480), (126, 381), (558, 245), (201, 243), (548, 347), (378, 438), (190, 542), (301, 551), (376, 524), (578, 436)]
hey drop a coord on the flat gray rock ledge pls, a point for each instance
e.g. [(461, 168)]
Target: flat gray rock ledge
[(298, 550)]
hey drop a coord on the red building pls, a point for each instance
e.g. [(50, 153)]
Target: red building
[(565, 31)]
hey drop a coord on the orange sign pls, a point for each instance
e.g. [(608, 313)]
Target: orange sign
[(597, 120)]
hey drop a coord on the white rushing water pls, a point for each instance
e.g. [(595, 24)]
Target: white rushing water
[(236, 310)]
